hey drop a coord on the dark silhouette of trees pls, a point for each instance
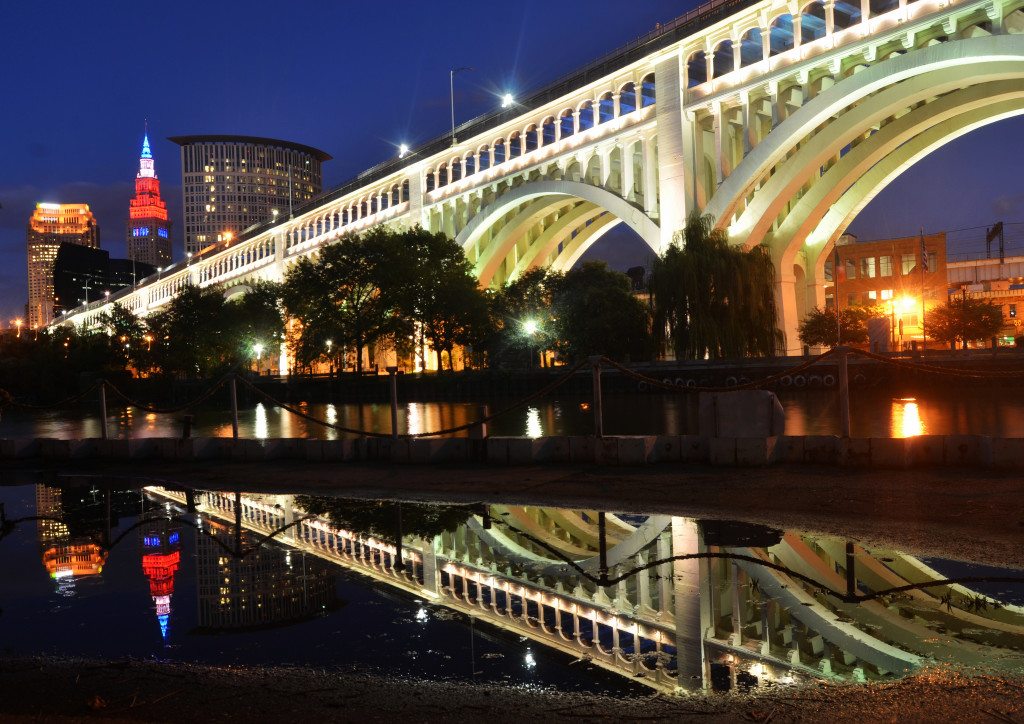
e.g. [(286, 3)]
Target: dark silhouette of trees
[(964, 320), (712, 299)]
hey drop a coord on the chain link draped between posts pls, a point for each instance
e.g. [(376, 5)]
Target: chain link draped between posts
[(596, 363)]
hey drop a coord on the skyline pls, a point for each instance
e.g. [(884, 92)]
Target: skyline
[(301, 92)]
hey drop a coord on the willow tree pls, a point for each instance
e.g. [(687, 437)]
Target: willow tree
[(713, 299)]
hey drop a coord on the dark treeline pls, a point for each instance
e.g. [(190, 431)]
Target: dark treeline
[(411, 296)]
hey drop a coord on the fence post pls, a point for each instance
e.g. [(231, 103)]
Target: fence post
[(103, 409), (844, 391), (479, 432), (393, 379), (234, 408), (595, 363)]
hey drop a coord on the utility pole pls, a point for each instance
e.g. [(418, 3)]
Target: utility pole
[(451, 95), (924, 268)]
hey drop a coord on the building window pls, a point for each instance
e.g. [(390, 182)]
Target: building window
[(867, 268), (885, 266), (932, 262), (907, 263), (851, 269), (886, 294)]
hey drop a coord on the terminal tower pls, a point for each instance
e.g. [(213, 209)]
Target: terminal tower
[(149, 229)]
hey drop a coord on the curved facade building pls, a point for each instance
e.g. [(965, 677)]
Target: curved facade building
[(230, 183)]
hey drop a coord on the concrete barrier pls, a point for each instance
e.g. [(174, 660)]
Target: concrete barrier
[(977, 451)]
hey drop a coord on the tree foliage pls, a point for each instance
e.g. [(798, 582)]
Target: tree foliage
[(712, 299), (964, 320), (596, 312), (818, 328), (379, 518)]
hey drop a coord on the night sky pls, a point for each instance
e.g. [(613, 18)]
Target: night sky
[(78, 79)]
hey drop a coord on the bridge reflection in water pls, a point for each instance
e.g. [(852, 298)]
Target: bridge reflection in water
[(668, 601)]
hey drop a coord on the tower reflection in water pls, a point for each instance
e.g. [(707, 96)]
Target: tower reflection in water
[(267, 586), (161, 558), (67, 541)]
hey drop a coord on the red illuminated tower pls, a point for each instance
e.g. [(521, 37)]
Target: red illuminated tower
[(161, 557), (149, 229)]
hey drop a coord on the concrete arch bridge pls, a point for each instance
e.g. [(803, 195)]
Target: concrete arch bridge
[(666, 618), (781, 118)]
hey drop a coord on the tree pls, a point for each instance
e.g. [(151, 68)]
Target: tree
[(125, 332), (434, 286), (379, 518), (596, 312), (522, 318), (183, 339), (712, 299), (965, 320), (255, 318), (336, 296), (818, 328)]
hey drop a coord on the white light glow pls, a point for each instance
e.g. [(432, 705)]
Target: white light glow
[(530, 326), (533, 427), (403, 151), (507, 100), (262, 427)]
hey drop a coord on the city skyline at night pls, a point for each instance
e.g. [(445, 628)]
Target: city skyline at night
[(86, 156)]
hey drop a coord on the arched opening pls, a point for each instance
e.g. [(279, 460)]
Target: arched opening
[(586, 116), (498, 151), (566, 123), (751, 48), (515, 145), (647, 91), (812, 22), (430, 182), (469, 165), (483, 155), (780, 35), (697, 69), (606, 108), (845, 15), (627, 99), (548, 134), (532, 138), (880, 7), (723, 59)]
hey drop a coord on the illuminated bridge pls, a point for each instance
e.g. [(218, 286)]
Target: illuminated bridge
[(669, 601), (782, 119)]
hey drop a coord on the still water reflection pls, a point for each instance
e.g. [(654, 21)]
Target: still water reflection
[(499, 592), (874, 413)]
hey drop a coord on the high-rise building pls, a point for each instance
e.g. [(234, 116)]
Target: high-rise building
[(230, 183), (149, 229), (50, 226), (83, 274)]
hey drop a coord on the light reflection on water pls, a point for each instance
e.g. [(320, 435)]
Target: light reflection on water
[(906, 418), (873, 412)]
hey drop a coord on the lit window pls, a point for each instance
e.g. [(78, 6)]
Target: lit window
[(887, 293)]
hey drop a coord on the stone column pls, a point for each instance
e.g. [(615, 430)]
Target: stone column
[(616, 105), (627, 170), (830, 17), (720, 167)]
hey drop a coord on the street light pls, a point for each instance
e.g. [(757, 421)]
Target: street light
[(18, 323), (507, 100), (451, 94), (531, 327), (258, 349), (403, 150)]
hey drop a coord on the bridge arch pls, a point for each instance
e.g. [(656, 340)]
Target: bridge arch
[(804, 182), (546, 223)]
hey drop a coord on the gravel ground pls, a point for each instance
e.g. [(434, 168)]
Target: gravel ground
[(49, 689)]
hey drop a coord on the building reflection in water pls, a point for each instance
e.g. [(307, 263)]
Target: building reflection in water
[(161, 558), (268, 586), (68, 550)]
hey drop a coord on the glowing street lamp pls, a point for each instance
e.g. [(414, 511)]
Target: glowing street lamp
[(531, 327), (258, 349), (18, 323), (507, 100), (403, 150)]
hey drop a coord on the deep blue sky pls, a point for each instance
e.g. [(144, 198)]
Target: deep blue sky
[(355, 79)]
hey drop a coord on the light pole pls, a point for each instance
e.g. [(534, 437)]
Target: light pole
[(531, 327), (451, 94), (258, 349)]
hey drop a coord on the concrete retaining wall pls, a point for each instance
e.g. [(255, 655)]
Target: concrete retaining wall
[(976, 451)]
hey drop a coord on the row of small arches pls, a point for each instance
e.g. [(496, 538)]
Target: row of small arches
[(782, 36), (241, 258), (367, 206), (568, 122)]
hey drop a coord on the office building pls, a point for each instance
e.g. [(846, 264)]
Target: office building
[(230, 183), (50, 226), (149, 228), (83, 274)]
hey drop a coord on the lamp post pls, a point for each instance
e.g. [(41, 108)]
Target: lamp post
[(451, 94), (531, 327), (258, 349)]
